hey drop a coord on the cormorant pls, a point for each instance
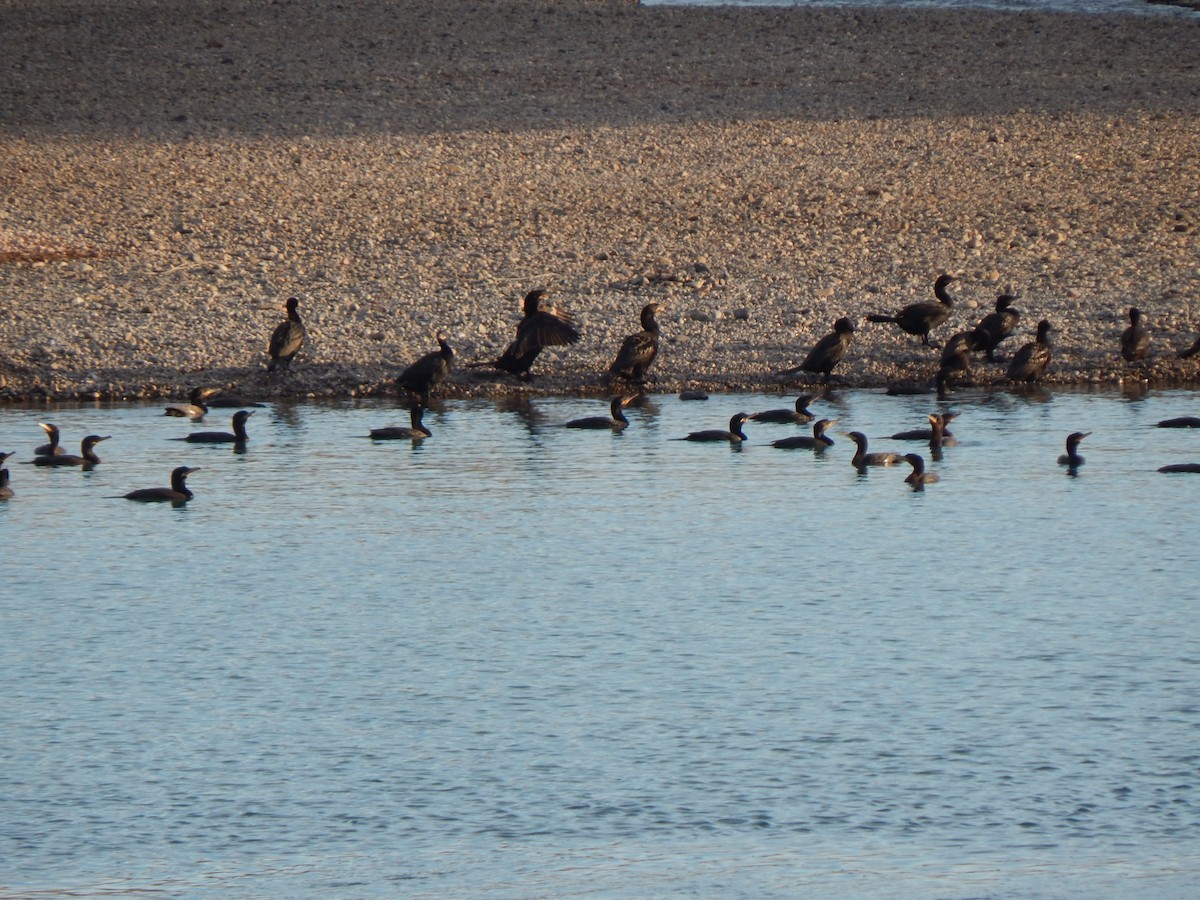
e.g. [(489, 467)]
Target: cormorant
[(692, 394), (231, 401), (818, 441), (1135, 340), (542, 326), (1029, 363), (918, 477), (195, 408), (1181, 467), (925, 434), (638, 351), (956, 354), (1190, 351), (938, 436), (801, 415), (1180, 422), (427, 372), (862, 458), (239, 435), (87, 455), (416, 432), (734, 435), (921, 318), (1072, 457), (828, 351), (177, 493), (615, 422), (6, 492), (52, 448), (996, 326), (287, 338)]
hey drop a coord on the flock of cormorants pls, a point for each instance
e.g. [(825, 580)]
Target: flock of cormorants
[(543, 325)]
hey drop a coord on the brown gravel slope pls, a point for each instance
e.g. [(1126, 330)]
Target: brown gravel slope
[(169, 174)]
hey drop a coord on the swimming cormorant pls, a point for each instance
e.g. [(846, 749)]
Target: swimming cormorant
[(638, 351), (918, 477), (6, 492), (1135, 340), (938, 436), (921, 318), (1181, 467), (1030, 362), (734, 435), (828, 351), (800, 415), (195, 408), (862, 458), (615, 422), (231, 401), (416, 432), (87, 455), (177, 493), (925, 434), (1072, 457), (239, 435), (996, 326), (427, 372), (287, 338), (819, 440), (52, 448), (542, 326), (1180, 422)]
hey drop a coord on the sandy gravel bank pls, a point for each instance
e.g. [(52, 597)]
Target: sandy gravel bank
[(169, 177)]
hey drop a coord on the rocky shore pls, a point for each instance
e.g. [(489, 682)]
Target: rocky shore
[(169, 176)]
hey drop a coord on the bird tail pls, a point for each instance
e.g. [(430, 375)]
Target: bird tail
[(878, 317)]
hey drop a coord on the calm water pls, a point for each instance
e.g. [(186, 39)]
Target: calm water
[(519, 660), (1124, 7)]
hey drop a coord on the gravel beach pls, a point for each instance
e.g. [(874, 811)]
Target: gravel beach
[(170, 174)]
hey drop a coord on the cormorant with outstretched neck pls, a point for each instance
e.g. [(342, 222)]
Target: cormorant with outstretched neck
[(6, 492), (177, 493), (638, 351), (996, 326), (921, 318), (614, 422), (734, 435), (239, 435), (799, 415), (87, 454), (195, 408), (827, 352), (1030, 362), (918, 477), (1072, 457), (53, 448), (415, 432), (287, 338), (427, 372), (542, 326), (1135, 340), (819, 440), (938, 436), (925, 434), (862, 458)]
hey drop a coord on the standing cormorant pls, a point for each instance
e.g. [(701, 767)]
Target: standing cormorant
[(87, 455), (416, 432), (427, 372), (542, 326), (287, 338), (1072, 457), (1135, 340), (195, 408), (921, 318), (862, 458), (177, 493), (828, 351), (817, 441), (638, 351), (239, 435), (53, 448), (614, 422), (1030, 362), (918, 477), (800, 415), (734, 435), (956, 353), (996, 326)]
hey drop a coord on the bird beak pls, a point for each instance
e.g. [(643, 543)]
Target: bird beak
[(105, 438)]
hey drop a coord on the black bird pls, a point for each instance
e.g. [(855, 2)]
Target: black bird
[(638, 351), (6, 492), (1180, 422), (1135, 340), (734, 435), (800, 415), (195, 408), (921, 318), (938, 436), (52, 448), (1181, 467), (918, 477), (1190, 351), (427, 372), (231, 401), (828, 351), (956, 353), (817, 441), (996, 326), (1072, 457), (542, 326), (925, 434), (87, 455), (615, 422), (177, 493), (287, 338), (1030, 362), (862, 458), (238, 436), (416, 432)]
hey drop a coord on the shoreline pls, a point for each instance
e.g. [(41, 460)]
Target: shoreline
[(758, 171)]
